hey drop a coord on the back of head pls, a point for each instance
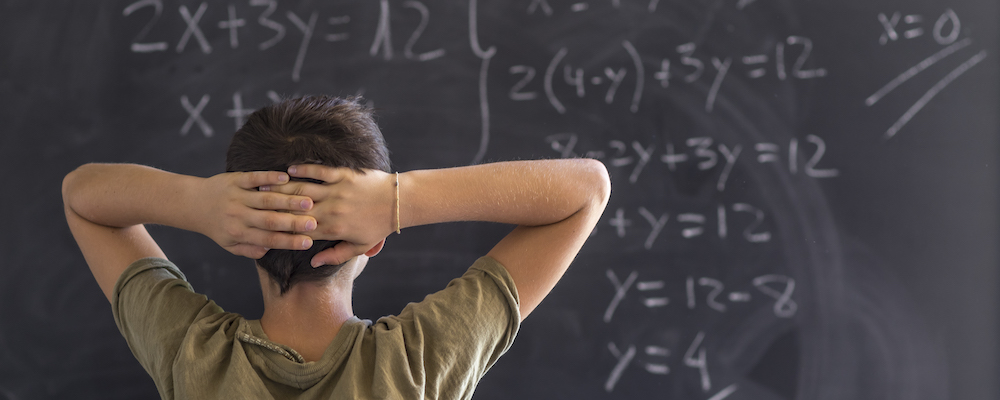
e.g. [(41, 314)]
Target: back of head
[(330, 131)]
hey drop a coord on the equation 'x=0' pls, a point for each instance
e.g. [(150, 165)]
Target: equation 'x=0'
[(934, 90)]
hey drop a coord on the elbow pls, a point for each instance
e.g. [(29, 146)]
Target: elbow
[(68, 185), (599, 181), (71, 185)]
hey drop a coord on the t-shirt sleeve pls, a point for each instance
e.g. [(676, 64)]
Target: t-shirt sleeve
[(454, 336), (153, 306)]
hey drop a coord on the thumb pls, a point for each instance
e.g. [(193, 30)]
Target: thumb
[(248, 250), (339, 254)]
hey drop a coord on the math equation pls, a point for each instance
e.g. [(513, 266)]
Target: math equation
[(695, 108)]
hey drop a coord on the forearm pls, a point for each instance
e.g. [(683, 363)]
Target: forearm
[(527, 193), (106, 206), (123, 195), (555, 203)]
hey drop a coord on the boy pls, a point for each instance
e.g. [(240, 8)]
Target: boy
[(321, 203)]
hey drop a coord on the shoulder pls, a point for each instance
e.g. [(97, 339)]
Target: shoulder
[(486, 290), (492, 269), (167, 324), (453, 336), (160, 267)]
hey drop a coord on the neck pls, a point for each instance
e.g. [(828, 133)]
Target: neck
[(308, 316)]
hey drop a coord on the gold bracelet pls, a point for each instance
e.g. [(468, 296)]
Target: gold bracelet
[(397, 204)]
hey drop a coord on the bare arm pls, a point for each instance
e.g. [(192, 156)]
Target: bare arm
[(106, 206), (554, 203)]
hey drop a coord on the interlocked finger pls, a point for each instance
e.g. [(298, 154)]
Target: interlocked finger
[(310, 190), (281, 222), (278, 201), (250, 180), (278, 240), (318, 172)]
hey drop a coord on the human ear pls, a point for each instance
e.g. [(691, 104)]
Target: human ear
[(376, 249)]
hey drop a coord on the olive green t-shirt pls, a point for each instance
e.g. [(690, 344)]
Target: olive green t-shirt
[(437, 348)]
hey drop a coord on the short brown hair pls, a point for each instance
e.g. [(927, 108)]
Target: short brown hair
[(330, 131)]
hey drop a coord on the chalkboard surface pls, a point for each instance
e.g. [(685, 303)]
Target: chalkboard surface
[(805, 192)]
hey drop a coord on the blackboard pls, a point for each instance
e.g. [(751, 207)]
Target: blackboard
[(804, 201)]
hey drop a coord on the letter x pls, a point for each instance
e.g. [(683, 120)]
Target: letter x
[(890, 27), (194, 116), (193, 29), (546, 8)]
